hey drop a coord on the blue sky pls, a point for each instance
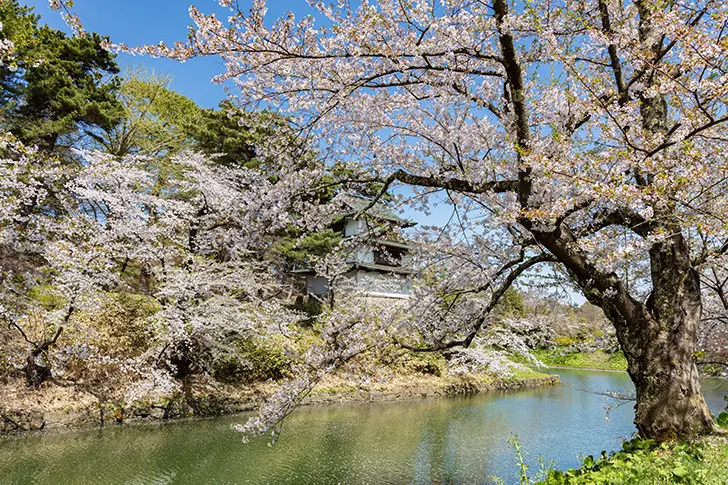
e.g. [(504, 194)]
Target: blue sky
[(136, 22)]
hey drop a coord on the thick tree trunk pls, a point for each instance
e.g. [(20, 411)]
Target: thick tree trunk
[(660, 346), (36, 369), (659, 337), (670, 402)]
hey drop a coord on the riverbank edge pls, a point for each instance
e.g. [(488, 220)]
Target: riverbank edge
[(547, 368), (593, 361), (563, 359), (591, 369), (68, 409)]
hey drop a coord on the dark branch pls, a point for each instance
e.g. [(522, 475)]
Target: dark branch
[(495, 298)]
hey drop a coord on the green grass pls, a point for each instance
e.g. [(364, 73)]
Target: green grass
[(525, 373), (593, 360), (704, 462), (343, 389)]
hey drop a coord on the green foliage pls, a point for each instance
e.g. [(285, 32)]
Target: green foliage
[(715, 370), (233, 135), (47, 297), (520, 462), (251, 361), (722, 419), (523, 476), (155, 121), (57, 85), (292, 249), (511, 304), (644, 462)]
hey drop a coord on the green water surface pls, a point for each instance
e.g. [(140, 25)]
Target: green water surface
[(448, 440)]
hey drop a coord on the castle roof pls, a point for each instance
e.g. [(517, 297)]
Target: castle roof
[(355, 204)]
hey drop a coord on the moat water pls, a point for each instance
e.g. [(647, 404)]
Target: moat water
[(435, 441)]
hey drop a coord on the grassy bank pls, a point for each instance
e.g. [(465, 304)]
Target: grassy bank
[(334, 389), (580, 360), (64, 405), (704, 462), (598, 360)]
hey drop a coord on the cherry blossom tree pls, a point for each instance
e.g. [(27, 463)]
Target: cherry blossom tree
[(588, 133), (74, 230), (41, 252), (197, 235)]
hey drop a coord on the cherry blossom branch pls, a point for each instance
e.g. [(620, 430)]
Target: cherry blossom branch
[(612, 49), (482, 318), (621, 216), (432, 181)]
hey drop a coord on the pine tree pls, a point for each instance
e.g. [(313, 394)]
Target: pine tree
[(56, 86)]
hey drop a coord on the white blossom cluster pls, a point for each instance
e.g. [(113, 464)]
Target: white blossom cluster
[(591, 139), (473, 360), (7, 51), (197, 235)]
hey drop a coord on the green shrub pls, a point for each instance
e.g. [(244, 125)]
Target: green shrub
[(47, 297), (230, 368), (564, 341), (722, 420), (432, 363), (251, 361)]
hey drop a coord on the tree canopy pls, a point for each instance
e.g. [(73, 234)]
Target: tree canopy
[(154, 120), (585, 137), (54, 86), (586, 134)]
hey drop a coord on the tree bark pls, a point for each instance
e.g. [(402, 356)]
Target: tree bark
[(661, 345), (662, 365), (36, 370), (658, 337)]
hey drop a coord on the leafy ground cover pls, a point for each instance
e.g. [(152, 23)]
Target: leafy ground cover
[(704, 462)]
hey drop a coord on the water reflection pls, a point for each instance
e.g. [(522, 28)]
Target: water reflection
[(453, 441)]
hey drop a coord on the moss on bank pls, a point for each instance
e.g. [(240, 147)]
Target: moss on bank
[(403, 387), (525, 373)]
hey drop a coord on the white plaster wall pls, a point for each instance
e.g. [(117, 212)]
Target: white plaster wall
[(353, 227), (366, 255), (379, 284), (373, 284), (361, 255)]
